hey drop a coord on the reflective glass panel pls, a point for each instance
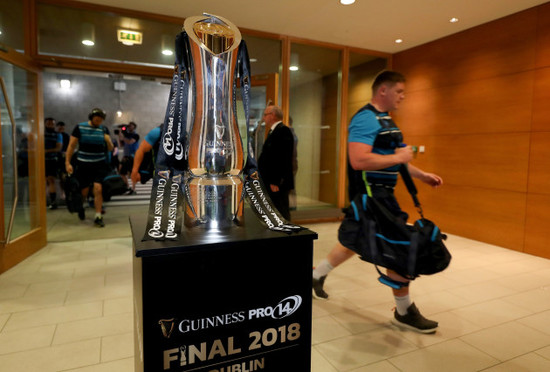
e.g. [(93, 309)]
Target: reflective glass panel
[(94, 35), (19, 166), (11, 24), (314, 116)]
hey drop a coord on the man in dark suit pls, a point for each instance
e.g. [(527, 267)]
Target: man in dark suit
[(275, 162)]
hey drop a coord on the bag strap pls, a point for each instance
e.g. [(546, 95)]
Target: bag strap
[(367, 186), (385, 279), (407, 178)]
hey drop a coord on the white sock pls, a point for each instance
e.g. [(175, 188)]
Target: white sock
[(402, 304), (98, 215), (322, 269)]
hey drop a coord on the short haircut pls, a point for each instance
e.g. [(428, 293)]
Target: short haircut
[(277, 111), (387, 77), (60, 124), (132, 123), (48, 119), (97, 112)]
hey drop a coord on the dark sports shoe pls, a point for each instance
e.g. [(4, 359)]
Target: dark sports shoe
[(52, 206), (99, 222), (318, 291), (414, 320), (81, 214)]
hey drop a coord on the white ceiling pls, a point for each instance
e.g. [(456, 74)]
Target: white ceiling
[(369, 24)]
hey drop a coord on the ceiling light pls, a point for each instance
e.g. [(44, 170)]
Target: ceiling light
[(167, 45), (347, 2), (294, 62), (398, 41), (65, 83), (88, 34), (119, 113), (252, 60), (453, 20)]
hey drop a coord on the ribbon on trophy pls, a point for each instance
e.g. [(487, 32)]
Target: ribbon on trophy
[(173, 177), (164, 219), (254, 188)]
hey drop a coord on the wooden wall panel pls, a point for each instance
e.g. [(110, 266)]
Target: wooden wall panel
[(505, 46), (479, 102), (537, 238), (539, 164), (488, 215), (541, 100), (476, 160), (543, 36), (500, 104)]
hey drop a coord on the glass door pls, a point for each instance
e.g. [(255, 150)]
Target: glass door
[(23, 229), (16, 119)]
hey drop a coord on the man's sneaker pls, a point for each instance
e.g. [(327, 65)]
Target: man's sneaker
[(99, 222), (414, 320), (318, 291), (52, 206), (81, 214)]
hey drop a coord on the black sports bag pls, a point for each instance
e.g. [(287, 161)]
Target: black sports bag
[(112, 185), (387, 241), (73, 194)]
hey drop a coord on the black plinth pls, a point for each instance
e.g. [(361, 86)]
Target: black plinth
[(238, 300)]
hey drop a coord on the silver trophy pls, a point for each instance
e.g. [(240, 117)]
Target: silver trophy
[(214, 187)]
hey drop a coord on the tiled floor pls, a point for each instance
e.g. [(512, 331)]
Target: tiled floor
[(69, 308)]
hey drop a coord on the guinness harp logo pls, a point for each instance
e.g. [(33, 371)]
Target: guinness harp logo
[(164, 174), (166, 326)]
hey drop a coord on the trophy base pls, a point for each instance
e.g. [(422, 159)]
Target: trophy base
[(214, 202)]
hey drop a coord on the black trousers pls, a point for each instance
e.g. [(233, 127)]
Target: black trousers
[(280, 200)]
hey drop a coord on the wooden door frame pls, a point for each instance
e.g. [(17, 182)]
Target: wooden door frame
[(25, 245)]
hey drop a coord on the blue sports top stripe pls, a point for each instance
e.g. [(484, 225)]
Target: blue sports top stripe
[(91, 142), (402, 242)]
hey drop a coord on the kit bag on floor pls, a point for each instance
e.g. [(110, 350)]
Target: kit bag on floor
[(113, 185), (387, 241), (73, 195)]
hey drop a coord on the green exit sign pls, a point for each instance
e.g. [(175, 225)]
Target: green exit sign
[(128, 37)]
